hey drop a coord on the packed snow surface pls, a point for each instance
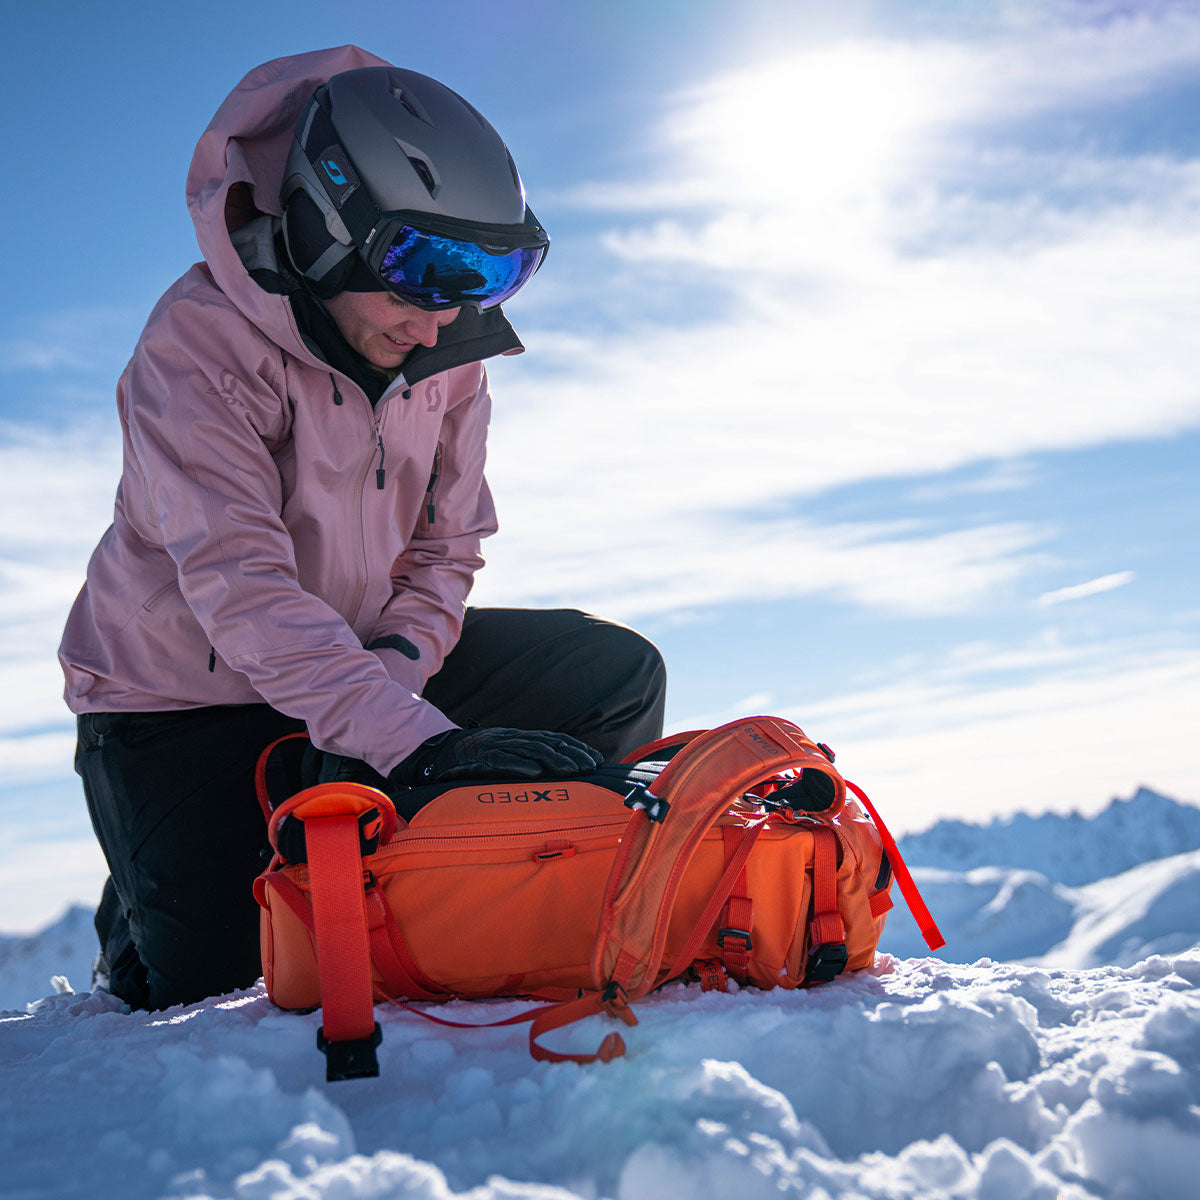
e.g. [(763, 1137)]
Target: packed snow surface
[(922, 1078)]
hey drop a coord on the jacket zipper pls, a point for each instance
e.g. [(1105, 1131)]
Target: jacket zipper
[(358, 533), (430, 510)]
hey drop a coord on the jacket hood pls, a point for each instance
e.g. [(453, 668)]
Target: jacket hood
[(237, 170)]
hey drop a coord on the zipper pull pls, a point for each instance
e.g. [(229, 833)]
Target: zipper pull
[(212, 659), (337, 396), (430, 511), (379, 472)]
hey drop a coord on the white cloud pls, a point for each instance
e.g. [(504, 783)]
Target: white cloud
[(74, 340), (56, 490), (800, 298), (1091, 723), (666, 564), (1079, 591), (1012, 475)]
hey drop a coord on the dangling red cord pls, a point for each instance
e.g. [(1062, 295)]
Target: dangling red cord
[(908, 888)]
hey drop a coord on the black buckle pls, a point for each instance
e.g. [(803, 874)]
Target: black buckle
[(742, 934), (614, 993), (350, 1060), (826, 962), (294, 848), (641, 799)]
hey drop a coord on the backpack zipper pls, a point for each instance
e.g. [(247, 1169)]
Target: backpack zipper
[(410, 840)]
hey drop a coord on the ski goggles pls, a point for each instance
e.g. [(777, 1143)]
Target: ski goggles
[(437, 262)]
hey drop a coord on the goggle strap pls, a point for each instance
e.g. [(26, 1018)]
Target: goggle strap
[(334, 254)]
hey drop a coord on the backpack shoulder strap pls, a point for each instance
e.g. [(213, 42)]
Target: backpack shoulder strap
[(670, 819)]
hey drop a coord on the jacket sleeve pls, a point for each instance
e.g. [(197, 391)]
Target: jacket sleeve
[(202, 439), (432, 578)]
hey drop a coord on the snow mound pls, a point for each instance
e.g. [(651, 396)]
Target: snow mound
[(921, 1079), (1070, 849), (1019, 915), (28, 963)]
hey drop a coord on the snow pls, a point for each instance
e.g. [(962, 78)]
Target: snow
[(1069, 1077), (1071, 848), (1065, 891)]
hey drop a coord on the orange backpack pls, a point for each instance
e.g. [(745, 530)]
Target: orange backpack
[(739, 857)]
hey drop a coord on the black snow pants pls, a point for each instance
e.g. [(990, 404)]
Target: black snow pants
[(171, 794)]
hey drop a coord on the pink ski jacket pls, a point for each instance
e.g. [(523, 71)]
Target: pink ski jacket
[(275, 537)]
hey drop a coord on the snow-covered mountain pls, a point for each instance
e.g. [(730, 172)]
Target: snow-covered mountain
[(921, 1079), (1070, 848), (1067, 891)]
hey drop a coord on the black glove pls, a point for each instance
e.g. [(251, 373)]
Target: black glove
[(495, 754)]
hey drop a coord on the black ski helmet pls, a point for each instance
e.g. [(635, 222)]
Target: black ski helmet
[(412, 145)]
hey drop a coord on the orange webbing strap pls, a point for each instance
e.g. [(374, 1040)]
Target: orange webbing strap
[(827, 954), (827, 924), (612, 1002), (277, 882), (691, 792), (737, 849), (908, 888), (735, 936), (341, 822), (392, 955), (349, 1032), (548, 1017)]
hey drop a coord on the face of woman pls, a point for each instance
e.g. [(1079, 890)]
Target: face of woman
[(383, 328)]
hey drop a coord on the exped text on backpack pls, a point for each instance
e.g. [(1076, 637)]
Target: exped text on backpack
[(741, 856)]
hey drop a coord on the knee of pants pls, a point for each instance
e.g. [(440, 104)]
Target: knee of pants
[(185, 964), (637, 658)]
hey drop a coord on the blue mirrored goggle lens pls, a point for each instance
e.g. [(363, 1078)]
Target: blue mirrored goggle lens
[(429, 269)]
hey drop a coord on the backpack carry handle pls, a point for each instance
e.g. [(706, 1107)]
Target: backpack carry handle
[(373, 809)]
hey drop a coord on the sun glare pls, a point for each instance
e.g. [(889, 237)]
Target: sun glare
[(815, 128)]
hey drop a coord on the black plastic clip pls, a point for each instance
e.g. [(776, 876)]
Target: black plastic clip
[(614, 993), (350, 1060), (826, 962), (294, 847), (742, 935), (641, 799)]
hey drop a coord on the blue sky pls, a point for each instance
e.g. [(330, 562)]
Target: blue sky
[(861, 375)]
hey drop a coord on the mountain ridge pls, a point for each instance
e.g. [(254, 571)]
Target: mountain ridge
[(1069, 848)]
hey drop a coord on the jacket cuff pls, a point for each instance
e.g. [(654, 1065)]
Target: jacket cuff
[(401, 665), (424, 725)]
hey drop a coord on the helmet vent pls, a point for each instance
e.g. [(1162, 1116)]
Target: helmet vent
[(405, 97), (422, 167), (426, 176)]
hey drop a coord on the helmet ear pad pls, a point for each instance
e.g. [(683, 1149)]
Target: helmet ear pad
[(307, 237)]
